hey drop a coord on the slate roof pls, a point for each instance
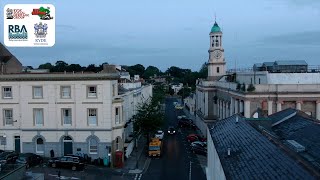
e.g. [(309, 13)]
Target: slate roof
[(278, 116), (304, 131), (268, 63), (292, 62), (253, 156)]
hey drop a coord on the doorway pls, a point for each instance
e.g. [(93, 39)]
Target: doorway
[(67, 145), (17, 144)]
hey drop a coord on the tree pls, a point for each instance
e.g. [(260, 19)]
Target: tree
[(74, 67), (60, 66), (184, 92), (203, 73), (137, 69), (91, 68), (151, 71), (148, 119), (46, 66)]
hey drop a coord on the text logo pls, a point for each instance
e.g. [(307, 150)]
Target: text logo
[(17, 33), (16, 14), (43, 13)]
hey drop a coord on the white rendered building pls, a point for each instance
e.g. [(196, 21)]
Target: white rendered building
[(66, 113)]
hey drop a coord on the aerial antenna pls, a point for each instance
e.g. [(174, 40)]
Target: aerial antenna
[(215, 17)]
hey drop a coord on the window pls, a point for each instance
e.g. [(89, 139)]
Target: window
[(39, 146), (92, 117), (65, 92), (93, 146), (3, 140), (7, 92), (92, 91), (66, 117), (7, 113), (37, 92), (38, 117), (218, 70), (259, 80), (117, 115)]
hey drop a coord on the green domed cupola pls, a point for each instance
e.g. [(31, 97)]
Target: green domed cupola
[(215, 28)]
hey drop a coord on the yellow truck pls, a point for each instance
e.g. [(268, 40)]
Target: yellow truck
[(155, 147)]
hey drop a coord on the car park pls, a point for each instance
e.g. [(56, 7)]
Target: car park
[(159, 134), (67, 162), (195, 137), (29, 159), (171, 130)]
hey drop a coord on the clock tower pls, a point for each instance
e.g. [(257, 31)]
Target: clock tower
[(216, 63)]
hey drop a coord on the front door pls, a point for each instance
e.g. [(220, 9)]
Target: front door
[(68, 148), (17, 144)]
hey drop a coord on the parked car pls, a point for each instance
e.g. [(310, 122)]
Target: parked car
[(171, 130), (67, 162), (187, 124), (182, 116), (81, 159), (178, 106), (196, 137), (8, 157), (199, 143), (199, 149), (159, 134), (29, 159)]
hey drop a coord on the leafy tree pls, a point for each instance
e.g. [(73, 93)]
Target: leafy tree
[(148, 119), (184, 92), (46, 66), (91, 68), (137, 69), (74, 67), (60, 66), (203, 73), (151, 71)]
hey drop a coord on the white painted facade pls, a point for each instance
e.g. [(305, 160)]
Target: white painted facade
[(94, 107)]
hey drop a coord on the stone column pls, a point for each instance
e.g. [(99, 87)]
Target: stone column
[(279, 104), (270, 107), (223, 109), (298, 105), (236, 106), (247, 109), (231, 107), (228, 110), (318, 110), (241, 106)]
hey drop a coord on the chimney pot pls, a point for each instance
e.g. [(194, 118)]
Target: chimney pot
[(237, 119), (229, 151)]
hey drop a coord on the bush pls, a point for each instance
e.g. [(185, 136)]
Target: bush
[(251, 88), (243, 88)]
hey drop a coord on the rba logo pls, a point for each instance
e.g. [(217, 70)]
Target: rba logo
[(17, 33)]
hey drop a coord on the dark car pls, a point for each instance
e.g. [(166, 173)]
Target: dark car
[(7, 157), (81, 159), (171, 130), (196, 137), (29, 159), (187, 124), (67, 162), (199, 149)]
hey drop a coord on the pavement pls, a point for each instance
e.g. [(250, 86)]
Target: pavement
[(137, 162)]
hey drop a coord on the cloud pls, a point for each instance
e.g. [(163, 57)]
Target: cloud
[(303, 38)]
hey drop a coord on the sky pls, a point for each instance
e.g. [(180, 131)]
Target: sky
[(176, 33)]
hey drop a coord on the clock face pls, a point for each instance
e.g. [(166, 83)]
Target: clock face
[(217, 54)]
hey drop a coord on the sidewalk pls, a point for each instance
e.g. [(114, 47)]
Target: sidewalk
[(137, 160)]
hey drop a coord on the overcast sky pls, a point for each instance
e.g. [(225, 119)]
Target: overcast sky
[(176, 32)]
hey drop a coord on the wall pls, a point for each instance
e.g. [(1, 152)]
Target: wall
[(214, 169), (294, 78)]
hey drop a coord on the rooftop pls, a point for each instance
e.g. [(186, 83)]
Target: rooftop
[(291, 62), (215, 28), (253, 156)]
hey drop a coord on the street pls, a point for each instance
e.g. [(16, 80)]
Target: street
[(177, 158)]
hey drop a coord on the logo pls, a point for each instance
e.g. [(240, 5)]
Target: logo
[(43, 13), (40, 30), (16, 14), (18, 33)]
